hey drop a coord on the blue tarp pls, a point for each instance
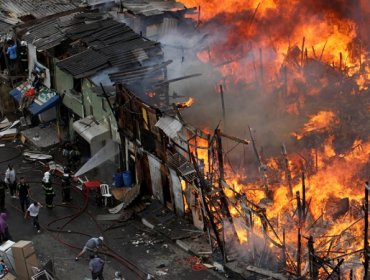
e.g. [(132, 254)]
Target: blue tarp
[(35, 108)]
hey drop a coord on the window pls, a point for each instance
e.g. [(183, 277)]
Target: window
[(77, 85)]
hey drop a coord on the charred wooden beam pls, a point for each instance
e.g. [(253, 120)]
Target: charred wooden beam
[(299, 207), (314, 273), (299, 249), (303, 197), (233, 138), (203, 189), (335, 274), (178, 79), (287, 170)]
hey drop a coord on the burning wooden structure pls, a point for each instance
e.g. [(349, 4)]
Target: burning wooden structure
[(304, 214)]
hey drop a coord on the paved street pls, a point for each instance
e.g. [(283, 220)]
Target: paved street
[(66, 228)]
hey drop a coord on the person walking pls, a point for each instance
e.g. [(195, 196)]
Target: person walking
[(66, 185), (4, 228), (2, 195), (96, 266), (92, 245), (33, 211), (10, 180), (48, 189), (23, 190)]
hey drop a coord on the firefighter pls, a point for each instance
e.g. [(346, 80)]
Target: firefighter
[(48, 189), (66, 185)]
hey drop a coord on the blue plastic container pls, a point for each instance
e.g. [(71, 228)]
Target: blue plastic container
[(127, 178), (118, 180)]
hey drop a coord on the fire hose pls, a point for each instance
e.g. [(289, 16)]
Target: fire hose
[(109, 252)]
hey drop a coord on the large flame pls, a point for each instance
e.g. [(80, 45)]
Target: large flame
[(282, 44)]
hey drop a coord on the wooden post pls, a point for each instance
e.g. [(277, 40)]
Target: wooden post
[(260, 165), (299, 207), (220, 156), (303, 197), (199, 9), (299, 245), (284, 250), (287, 170), (302, 50), (366, 229), (340, 61), (311, 259), (223, 106), (323, 49)]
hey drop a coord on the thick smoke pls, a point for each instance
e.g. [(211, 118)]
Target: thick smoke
[(257, 57)]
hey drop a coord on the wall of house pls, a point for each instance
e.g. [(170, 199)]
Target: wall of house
[(98, 107)]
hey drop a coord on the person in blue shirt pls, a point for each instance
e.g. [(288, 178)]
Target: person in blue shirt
[(12, 52)]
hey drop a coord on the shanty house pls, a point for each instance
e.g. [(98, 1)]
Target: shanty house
[(152, 19), (15, 13), (159, 153), (87, 53)]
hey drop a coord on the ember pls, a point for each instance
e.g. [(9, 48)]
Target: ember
[(150, 94)]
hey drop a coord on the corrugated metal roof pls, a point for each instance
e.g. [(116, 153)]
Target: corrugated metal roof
[(107, 43), (84, 64), (169, 125), (149, 8), (36, 8)]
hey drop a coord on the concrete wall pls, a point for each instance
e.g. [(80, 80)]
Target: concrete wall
[(64, 85)]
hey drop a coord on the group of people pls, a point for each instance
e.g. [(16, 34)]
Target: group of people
[(21, 190), (96, 264)]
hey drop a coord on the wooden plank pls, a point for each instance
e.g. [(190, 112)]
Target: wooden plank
[(265, 272)]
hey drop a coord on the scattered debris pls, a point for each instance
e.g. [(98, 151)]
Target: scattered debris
[(35, 156), (116, 209)]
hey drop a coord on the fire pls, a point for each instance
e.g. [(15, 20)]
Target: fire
[(319, 121), (151, 94), (186, 104), (273, 31), (312, 58)]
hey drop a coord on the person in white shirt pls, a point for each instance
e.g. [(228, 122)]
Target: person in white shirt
[(10, 180), (33, 211)]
